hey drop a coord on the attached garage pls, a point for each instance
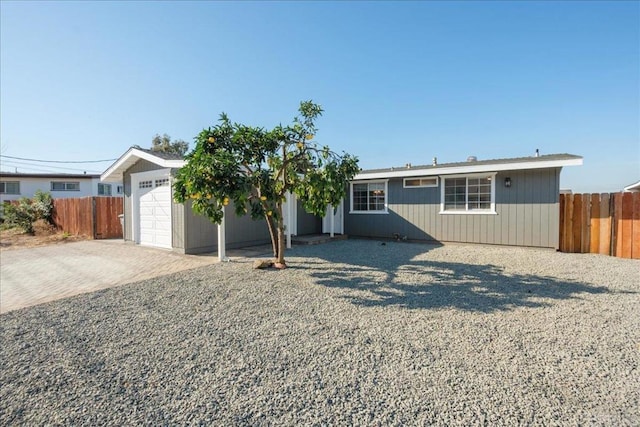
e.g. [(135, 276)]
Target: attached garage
[(151, 208), (153, 218)]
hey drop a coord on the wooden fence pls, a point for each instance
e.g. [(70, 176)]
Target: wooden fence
[(607, 224), (95, 217)]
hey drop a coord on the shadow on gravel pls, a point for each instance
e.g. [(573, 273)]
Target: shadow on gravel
[(392, 277)]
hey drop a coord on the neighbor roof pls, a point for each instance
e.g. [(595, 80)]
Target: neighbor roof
[(115, 172), (494, 165), (48, 175), (633, 187)]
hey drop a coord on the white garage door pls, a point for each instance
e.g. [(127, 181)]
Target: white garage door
[(154, 207)]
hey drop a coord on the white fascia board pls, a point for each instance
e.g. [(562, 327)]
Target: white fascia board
[(116, 171), (495, 167)]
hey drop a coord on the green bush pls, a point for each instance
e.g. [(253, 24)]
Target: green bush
[(27, 211), (20, 215), (42, 205)]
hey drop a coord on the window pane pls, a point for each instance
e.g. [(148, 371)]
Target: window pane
[(455, 193), (359, 197), (412, 182), (11, 187)]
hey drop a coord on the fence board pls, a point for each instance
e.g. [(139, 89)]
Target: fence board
[(594, 224), (94, 217), (576, 230), (607, 224), (626, 225)]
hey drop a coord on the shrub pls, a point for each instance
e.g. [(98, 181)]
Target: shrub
[(42, 205), (27, 211), (20, 215)]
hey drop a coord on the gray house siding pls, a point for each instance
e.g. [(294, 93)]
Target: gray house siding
[(307, 223), (241, 231), (527, 213)]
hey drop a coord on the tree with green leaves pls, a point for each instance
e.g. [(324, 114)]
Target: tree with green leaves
[(255, 169), (165, 145)]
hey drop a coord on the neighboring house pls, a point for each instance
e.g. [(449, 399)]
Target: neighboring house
[(153, 218), (14, 186), (633, 187), (505, 202)]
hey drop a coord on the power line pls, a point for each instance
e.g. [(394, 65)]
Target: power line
[(59, 161), (44, 168)]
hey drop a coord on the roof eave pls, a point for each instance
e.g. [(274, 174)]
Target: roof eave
[(115, 172), (496, 167)]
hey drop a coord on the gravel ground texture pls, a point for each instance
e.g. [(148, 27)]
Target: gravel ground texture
[(354, 332)]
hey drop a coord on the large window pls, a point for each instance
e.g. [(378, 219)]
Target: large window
[(369, 197), (10, 187), (468, 194), (104, 189), (65, 186)]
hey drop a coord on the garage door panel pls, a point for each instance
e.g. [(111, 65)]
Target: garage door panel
[(155, 212)]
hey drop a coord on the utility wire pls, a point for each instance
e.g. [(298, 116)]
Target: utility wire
[(59, 161), (39, 167)]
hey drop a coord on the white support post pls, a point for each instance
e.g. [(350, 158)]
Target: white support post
[(222, 252), (332, 221), (289, 214)]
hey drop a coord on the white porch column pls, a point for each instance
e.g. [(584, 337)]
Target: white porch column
[(332, 221), (222, 250), (289, 215)]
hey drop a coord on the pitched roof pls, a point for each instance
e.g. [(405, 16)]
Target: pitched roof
[(115, 172), (493, 165), (161, 154)]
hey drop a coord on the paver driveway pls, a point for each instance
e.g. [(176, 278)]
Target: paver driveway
[(37, 275)]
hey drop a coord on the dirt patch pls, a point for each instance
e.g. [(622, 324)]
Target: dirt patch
[(44, 234)]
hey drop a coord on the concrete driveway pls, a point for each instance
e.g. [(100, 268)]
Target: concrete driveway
[(37, 275)]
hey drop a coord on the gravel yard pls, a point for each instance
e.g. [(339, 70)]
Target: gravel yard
[(355, 332)]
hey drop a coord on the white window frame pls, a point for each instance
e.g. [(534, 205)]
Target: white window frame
[(404, 182), (66, 185), (368, 212), (467, 211), (102, 187), (3, 189)]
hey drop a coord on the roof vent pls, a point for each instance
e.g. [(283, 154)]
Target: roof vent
[(408, 165), (472, 159), (435, 161), (537, 152)]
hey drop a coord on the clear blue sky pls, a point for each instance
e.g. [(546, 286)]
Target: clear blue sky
[(399, 81)]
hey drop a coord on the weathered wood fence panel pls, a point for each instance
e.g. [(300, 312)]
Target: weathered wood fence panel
[(607, 224), (94, 217)]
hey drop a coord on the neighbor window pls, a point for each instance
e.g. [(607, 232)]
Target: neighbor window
[(10, 187), (468, 194), (65, 186), (104, 189), (369, 197), (421, 182), (120, 189)]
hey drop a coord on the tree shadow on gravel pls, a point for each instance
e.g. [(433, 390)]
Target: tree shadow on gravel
[(389, 275)]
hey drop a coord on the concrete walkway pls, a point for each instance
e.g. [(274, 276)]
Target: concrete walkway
[(47, 273)]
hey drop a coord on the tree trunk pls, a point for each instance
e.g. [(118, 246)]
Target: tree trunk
[(272, 234), (281, 238)]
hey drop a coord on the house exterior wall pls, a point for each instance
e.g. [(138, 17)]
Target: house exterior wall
[(307, 223), (192, 233), (29, 186), (201, 235), (527, 213)]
